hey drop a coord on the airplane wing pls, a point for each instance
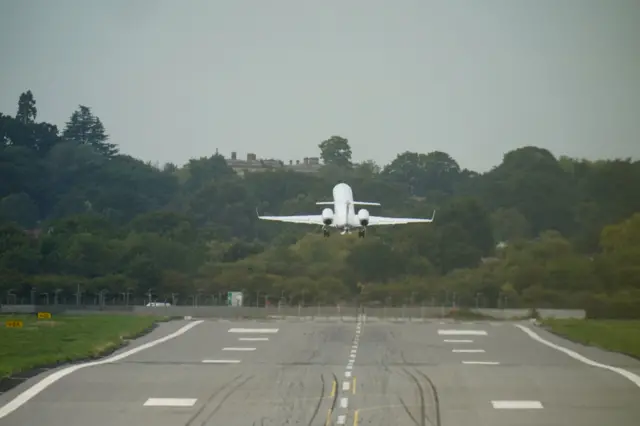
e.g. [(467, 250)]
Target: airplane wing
[(314, 219), (379, 221)]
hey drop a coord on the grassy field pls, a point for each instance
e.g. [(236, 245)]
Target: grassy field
[(46, 341), (613, 335)]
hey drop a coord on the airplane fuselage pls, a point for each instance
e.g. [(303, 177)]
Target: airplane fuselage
[(344, 213)]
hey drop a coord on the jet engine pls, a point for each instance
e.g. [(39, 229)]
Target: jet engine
[(363, 217), (327, 216)]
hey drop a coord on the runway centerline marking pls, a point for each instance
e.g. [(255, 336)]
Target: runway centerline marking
[(462, 332), (345, 386), (457, 341), (34, 390), (221, 361), (347, 374), (481, 362), (239, 349), (253, 330), (344, 402), (170, 402), (341, 420), (469, 351), (253, 339), (516, 405), (634, 378)]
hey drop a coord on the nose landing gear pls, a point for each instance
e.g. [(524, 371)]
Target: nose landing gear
[(362, 233)]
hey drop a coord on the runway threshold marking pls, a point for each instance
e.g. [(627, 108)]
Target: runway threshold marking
[(34, 390), (254, 330), (170, 402), (516, 405), (634, 378), (221, 361), (462, 332), (239, 349)]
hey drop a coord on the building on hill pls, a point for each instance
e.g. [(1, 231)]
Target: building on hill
[(255, 164)]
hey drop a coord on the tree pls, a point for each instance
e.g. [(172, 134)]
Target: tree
[(85, 128), (336, 151), (27, 110)]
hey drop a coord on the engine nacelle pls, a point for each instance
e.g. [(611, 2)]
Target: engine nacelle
[(327, 216), (363, 217)]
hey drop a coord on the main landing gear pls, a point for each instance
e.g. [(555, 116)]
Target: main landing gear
[(362, 233), (325, 232)]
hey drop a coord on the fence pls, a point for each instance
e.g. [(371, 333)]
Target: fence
[(302, 312)]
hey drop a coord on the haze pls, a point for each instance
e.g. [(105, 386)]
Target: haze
[(174, 80)]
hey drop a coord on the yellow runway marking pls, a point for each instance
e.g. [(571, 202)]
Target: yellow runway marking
[(328, 421), (355, 418), (333, 388), (354, 386)]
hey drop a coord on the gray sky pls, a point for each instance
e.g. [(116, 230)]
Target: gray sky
[(173, 80)]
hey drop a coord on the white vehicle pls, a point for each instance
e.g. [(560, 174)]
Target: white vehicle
[(344, 217)]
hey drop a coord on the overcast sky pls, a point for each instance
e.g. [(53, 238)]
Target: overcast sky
[(172, 80)]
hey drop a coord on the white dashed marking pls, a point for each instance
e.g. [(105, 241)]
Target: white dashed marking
[(462, 332), (341, 420), (253, 330), (469, 351), (516, 405), (347, 374), (457, 341), (345, 386), (221, 361), (344, 402), (253, 339), (239, 349), (481, 362), (170, 402)]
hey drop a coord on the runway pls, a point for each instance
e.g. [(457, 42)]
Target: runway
[(365, 372)]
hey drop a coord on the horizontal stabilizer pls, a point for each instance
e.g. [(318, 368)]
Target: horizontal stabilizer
[(365, 203)]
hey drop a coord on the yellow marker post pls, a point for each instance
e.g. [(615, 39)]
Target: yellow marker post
[(13, 324), (355, 418), (354, 386), (44, 315)]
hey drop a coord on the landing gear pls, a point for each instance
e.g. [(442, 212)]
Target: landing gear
[(362, 233), (325, 232)]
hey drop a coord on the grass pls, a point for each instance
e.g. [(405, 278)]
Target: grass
[(613, 335), (61, 339)]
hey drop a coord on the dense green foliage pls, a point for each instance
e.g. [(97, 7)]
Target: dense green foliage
[(535, 230)]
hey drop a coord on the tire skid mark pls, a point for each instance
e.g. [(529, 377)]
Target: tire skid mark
[(317, 409), (213, 395), (233, 389)]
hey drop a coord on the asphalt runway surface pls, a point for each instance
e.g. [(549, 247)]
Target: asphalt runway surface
[(307, 373)]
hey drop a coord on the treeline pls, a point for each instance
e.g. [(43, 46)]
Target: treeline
[(78, 215)]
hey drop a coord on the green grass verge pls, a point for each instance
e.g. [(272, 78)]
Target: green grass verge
[(613, 335), (64, 338)]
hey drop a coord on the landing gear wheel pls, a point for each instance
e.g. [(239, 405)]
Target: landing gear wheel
[(325, 233), (362, 233)]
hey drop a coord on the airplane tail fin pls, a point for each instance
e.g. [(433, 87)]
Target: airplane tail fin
[(365, 203)]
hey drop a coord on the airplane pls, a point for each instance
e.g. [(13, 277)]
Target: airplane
[(344, 217)]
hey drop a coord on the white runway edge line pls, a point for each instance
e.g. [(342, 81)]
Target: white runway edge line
[(34, 390), (634, 378), (254, 330), (516, 405), (462, 332), (170, 402)]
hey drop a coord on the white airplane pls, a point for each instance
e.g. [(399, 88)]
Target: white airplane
[(344, 217)]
